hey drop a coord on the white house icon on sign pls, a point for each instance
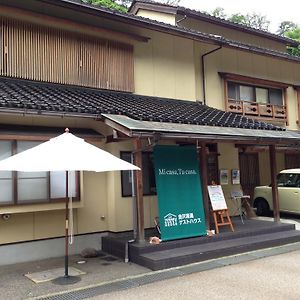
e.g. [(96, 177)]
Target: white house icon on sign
[(170, 220)]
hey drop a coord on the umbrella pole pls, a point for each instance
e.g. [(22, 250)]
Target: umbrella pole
[(67, 227)]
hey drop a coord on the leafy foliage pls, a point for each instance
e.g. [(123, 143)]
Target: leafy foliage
[(219, 13), (107, 3), (122, 5), (125, 3), (295, 35), (252, 20), (286, 26)]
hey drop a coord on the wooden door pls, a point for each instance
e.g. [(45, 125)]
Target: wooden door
[(249, 172), (292, 160)]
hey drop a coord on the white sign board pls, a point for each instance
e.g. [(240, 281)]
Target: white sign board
[(216, 197)]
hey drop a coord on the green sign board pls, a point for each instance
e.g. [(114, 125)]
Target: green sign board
[(179, 193)]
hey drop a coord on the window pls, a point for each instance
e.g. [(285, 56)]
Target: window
[(237, 91), (149, 185), (288, 180), (262, 95), (32, 187)]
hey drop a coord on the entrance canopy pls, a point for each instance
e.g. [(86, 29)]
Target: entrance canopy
[(137, 128)]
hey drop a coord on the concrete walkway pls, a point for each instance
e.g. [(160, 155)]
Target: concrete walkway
[(105, 274), (269, 278), (117, 276)]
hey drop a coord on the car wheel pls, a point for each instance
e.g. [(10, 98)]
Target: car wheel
[(262, 207)]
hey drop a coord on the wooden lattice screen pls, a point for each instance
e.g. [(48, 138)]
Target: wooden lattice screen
[(39, 53)]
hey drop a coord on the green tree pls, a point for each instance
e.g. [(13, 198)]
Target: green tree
[(257, 21), (295, 35), (237, 18), (125, 3), (252, 20), (286, 26), (107, 3), (219, 13)]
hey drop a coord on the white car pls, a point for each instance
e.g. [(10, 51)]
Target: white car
[(288, 191)]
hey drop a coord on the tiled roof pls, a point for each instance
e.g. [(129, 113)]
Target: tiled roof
[(220, 21), (21, 96)]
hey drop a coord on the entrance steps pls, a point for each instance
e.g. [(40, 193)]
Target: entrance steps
[(252, 235)]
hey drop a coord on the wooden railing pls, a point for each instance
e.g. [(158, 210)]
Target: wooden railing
[(254, 109)]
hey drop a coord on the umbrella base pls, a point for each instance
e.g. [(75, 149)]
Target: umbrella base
[(65, 280)]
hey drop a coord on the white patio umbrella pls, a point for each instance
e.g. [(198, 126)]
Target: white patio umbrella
[(65, 152)]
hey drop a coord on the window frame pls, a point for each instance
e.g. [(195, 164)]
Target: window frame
[(49, 200), (265, 111), (123, 174), (254, 92)]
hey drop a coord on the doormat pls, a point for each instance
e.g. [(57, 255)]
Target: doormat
[(48, 275)]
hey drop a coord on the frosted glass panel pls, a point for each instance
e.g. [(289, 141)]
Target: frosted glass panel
[(32, 175), (5, 152), (24, 145), (32, 189), (58, 184), (246, 93), (261, 95), (6, 191)]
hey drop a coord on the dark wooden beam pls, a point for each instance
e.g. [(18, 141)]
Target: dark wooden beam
[(139, 191), (203, 167), (272, 152)]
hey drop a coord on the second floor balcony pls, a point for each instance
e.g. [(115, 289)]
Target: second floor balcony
[(255, 109)]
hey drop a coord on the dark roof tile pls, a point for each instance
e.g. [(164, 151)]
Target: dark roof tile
[(32, 96)]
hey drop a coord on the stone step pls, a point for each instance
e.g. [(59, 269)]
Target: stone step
[(178, 256), (256, 228)]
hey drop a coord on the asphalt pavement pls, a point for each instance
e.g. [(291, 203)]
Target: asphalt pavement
[(276, 277)]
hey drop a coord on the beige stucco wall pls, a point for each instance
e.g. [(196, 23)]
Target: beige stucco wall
[(165, 67), (207, 27), (158, 16), (235, 35), (265, 172), (38, 221), (228, 160), (247, 64)]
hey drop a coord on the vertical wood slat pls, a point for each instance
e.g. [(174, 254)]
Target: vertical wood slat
[(52, 55)]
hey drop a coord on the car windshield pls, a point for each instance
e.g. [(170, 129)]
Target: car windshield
[(288, 180)]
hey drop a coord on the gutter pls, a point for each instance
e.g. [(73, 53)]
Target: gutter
[(24, 112), (203, 71)]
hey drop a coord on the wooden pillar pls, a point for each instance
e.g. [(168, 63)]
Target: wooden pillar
[(140, 238), (203, 166), (272, 153)]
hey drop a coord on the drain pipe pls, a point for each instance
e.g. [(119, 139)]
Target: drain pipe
[(203, 71), (126, 258)]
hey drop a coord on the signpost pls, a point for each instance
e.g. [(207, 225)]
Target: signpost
[(219, 207), (179, 192)]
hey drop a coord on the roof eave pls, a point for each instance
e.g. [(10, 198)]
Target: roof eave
[(232, 25)]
